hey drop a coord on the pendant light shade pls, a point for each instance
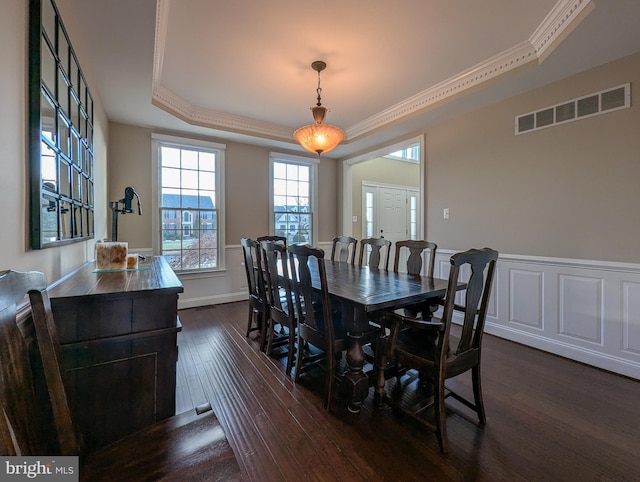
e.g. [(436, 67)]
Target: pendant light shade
[(319, 138)]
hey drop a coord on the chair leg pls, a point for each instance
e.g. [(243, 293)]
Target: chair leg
[(440, 415), (477, 393), (290, 353), (269, 337), (250, 321), (299, 351), (331, 366), (263, 322)]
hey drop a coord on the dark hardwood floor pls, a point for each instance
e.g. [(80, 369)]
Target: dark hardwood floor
[(548, 418)]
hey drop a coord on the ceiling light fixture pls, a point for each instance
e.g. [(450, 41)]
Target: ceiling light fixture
[(319, 137)]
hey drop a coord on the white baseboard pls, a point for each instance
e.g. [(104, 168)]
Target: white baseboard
[(211, 300)]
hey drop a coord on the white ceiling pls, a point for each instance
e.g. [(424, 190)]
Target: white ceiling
[(240, 69)]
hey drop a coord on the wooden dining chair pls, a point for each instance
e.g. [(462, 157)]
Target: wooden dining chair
[(416, 251), (281, 329), (36, 419), (431, 349), (344, 249), (316, 324), (258, 306), (277, 239), (376, 250)]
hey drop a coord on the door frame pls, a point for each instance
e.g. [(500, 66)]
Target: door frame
[(347, 180)]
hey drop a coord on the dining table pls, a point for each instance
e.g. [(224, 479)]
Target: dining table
[(360, 291)]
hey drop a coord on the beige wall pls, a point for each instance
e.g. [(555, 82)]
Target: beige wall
[(566, 191), (246, 187), (380, 171), (569, 191), (14, 194)]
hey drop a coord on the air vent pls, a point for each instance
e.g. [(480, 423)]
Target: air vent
[(587, 106)]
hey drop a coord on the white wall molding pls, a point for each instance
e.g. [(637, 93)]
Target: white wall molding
[(585, 310), (170, 102), (560, 22), (212, 299)]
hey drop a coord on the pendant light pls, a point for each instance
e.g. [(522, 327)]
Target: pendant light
[(319, 138)]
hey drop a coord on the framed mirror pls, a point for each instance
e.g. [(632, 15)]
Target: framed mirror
[(60, 132)]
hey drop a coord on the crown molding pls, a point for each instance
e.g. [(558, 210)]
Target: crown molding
[(561, 20), (175, 105), (168, 101), (500, 64), (565, 16)]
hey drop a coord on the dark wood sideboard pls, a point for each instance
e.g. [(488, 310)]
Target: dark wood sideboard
[(118, 336)]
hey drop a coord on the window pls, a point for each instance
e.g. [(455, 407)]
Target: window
[(292, 198), (413, 215), (411, 154), (369, 220), (189, 221)]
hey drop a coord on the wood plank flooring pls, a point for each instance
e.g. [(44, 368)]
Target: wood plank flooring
[(548, 418)]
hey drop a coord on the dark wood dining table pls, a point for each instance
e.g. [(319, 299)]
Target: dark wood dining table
[(360, 291)]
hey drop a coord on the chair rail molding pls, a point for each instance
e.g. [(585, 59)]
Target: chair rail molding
[(585, 310)]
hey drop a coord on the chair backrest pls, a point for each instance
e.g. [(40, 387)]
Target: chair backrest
[(417, 250), (482, 264), (36, 418), (253, 267), (278, 279), (378, 249), (313, 306), (344, 249), (278, 239)]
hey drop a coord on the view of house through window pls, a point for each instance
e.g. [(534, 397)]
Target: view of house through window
[(189, 201), (292, 201)]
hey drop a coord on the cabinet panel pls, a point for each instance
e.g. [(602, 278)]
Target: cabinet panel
[(118, 342)]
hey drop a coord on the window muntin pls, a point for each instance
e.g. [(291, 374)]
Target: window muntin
[(189, 200)]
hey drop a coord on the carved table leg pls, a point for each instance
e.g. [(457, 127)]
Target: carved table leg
[(381, 359), (356, 383)]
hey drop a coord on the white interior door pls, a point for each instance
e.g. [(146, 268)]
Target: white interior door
[(393, 214), (390, 212)]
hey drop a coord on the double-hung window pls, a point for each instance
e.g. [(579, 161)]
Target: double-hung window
[(292, 199), (189, 221)]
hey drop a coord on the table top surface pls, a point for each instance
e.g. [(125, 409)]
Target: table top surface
[(153, 274), (375, 289)]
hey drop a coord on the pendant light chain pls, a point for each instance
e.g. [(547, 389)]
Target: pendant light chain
[(319, 90)]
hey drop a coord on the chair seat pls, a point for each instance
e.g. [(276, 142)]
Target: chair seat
[(183, 447), (421, 343)]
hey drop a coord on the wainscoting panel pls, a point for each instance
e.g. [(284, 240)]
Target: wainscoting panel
[(526, 298), (631, 317), (580, 308), (585, 310)]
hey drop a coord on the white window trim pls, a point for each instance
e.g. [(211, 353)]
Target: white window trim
[(156, 141), (306, 161)]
